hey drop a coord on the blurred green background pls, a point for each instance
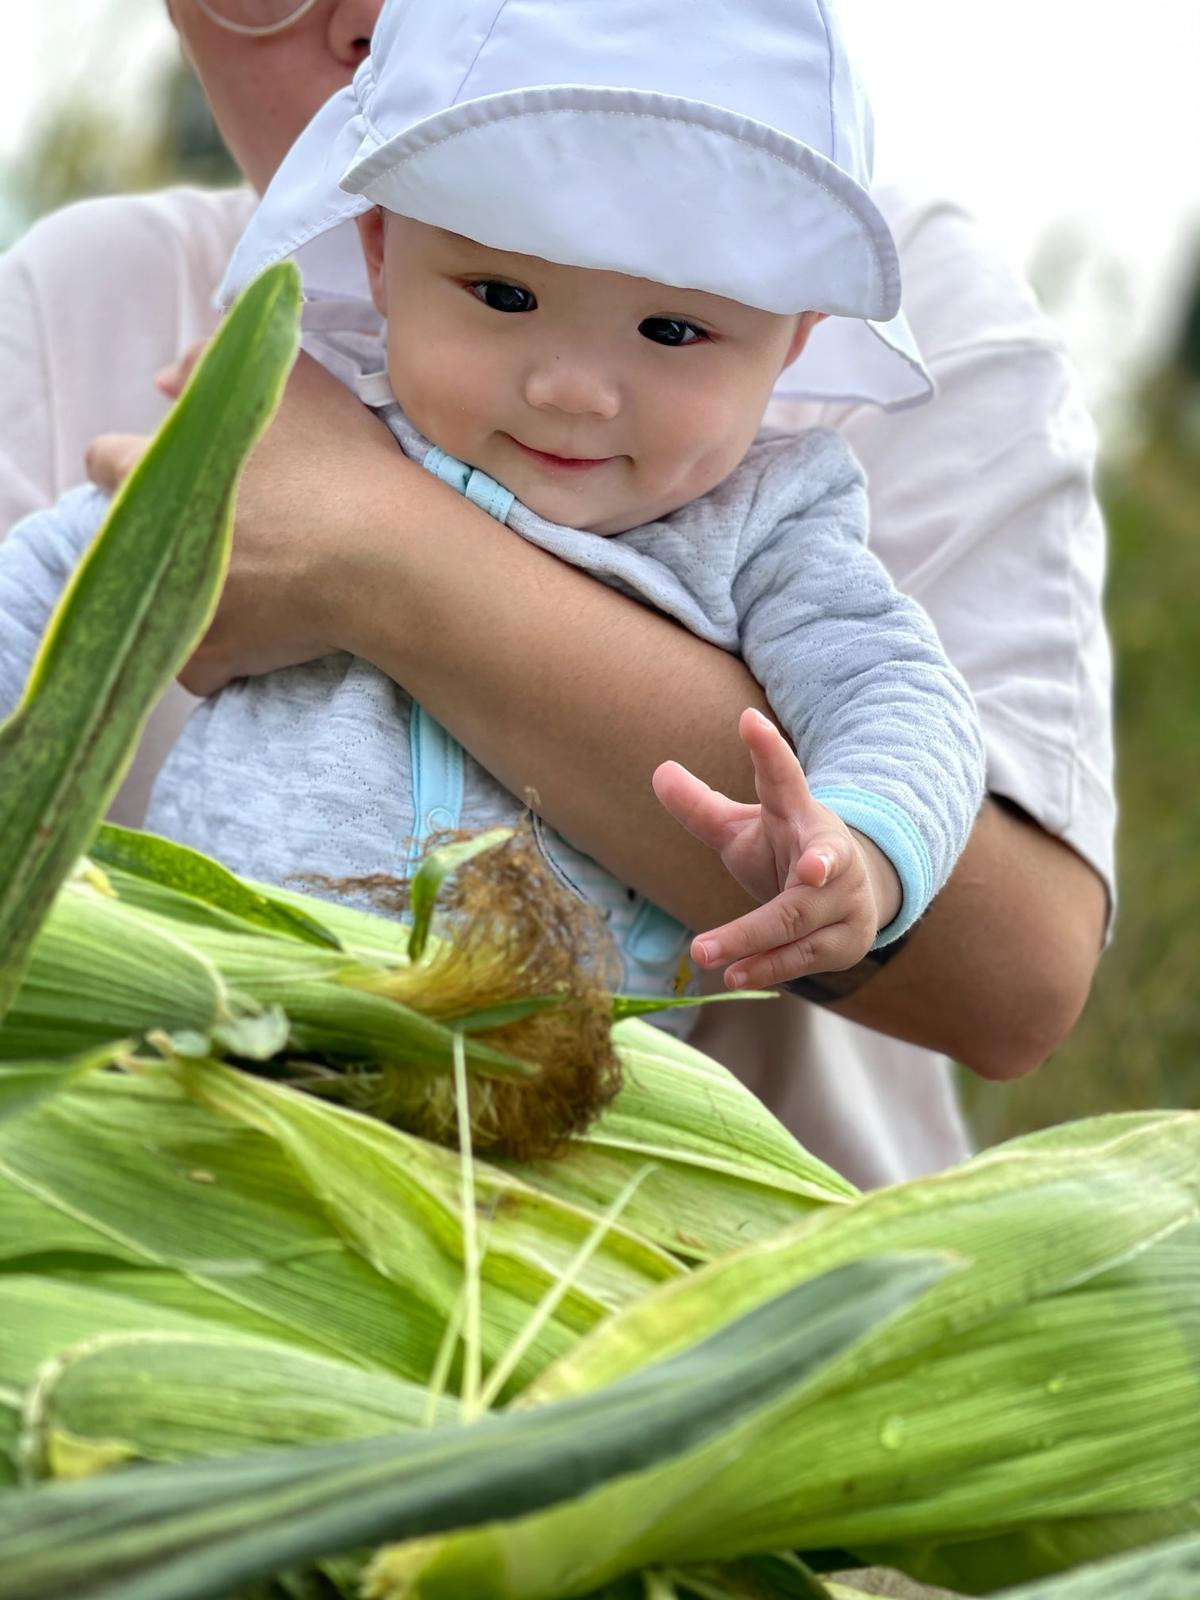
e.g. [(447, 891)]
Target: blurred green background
[(1139, 1041)]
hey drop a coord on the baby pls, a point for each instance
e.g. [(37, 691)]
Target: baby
[(599, 233)]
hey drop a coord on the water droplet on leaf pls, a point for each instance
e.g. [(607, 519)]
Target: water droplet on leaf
[(891, 1433)]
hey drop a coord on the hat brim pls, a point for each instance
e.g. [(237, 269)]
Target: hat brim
[(652, 185), (852, 360), (619, 180)]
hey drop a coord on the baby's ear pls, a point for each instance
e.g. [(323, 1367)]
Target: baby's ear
[(370, 233), (805, 324)]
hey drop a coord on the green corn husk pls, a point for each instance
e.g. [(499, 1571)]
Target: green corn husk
[(960, 1442), (103, 967), (24, 1083), (98, 972), (328, 1231), (397, 1200), (196, 1530), (188, 951), (724, 1172), (45, 1318), (126, 1183), (173, 1396)]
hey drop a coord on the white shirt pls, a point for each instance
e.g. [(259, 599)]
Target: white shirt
[(981, 507)]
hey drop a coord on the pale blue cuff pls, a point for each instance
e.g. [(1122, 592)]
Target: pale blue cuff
[(893, 831)]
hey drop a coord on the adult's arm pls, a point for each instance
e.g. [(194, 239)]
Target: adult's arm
[(560, 685), (998, 970)]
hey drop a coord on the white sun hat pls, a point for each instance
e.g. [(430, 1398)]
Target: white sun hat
[(721, 145)]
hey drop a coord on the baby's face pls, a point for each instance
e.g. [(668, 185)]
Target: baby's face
[(602, 401)]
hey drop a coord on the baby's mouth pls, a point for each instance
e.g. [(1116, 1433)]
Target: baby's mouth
[(553, 463)]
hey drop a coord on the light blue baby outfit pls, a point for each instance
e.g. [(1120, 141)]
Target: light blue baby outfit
[(331, 769)]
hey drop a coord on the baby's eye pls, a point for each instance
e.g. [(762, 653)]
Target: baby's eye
[(671, 330), (503, 296)]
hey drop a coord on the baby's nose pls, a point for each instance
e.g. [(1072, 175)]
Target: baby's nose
[(575, 385)]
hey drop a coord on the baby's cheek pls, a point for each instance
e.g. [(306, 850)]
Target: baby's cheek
[(420, 373), (699, 446)]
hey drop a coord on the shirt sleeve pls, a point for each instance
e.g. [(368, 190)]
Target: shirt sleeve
[(94, 299), (882, 723), (26, 433), (36, 561)]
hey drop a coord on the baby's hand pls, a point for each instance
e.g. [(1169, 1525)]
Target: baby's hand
[(826, 890)]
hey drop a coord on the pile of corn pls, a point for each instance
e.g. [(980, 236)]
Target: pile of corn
[(199, 1257)]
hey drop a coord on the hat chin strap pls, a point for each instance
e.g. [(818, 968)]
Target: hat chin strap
[(250, 30)]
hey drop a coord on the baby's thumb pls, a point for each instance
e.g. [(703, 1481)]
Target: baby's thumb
[(111, 457), (825, 857)]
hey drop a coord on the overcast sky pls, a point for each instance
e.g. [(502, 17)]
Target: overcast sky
[(1033, 111)]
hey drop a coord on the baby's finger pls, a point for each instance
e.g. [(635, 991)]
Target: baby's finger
[(826, 856), (787, 918), (778, 777), (111, 457), (706, 813), (830, 949)]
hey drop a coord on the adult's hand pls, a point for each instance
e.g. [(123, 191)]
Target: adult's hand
[(284, 574)]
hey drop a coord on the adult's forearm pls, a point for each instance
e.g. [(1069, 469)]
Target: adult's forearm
[(999, 968), (563, 688)]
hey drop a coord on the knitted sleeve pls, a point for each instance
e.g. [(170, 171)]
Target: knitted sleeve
[(884, 726)]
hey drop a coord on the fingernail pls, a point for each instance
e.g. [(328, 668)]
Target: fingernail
[(735, 980), (705, 954), (827, 863)]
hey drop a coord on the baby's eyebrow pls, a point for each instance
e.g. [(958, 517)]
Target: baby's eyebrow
[(460, 245)]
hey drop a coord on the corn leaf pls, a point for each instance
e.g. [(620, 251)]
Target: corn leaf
[(131, 613), (639, 1005), (198, 1530), (724, 1173), (161, 861), (98, 972), (506, 1012), (435, 868), (24, 1083)]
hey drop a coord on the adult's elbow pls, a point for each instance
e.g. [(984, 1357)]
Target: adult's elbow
[(1031, 1015)]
